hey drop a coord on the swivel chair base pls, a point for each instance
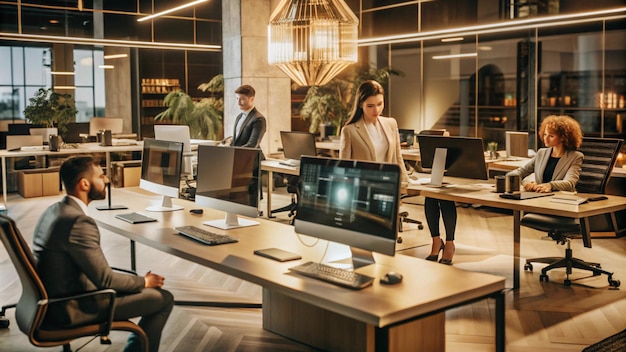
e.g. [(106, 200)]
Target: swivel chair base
[(569, 262)]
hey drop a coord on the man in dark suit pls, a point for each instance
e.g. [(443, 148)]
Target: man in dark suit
[(250, 123), (70, 261)]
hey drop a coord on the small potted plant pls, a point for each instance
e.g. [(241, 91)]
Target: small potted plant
[(51, 110)]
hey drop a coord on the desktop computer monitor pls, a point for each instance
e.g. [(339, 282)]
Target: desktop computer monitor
[(177, 133), (160, 171), (407, 137), (97, 124), (465, 156), (350, 202), (229, 180), (295, 145)]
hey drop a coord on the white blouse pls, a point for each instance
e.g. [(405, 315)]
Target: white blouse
[(377, 135)]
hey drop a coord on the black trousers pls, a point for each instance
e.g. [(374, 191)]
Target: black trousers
[(447, 208)]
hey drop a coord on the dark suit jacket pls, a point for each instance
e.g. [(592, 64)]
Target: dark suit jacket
[(252, 130), (566, 172), (66, 245)]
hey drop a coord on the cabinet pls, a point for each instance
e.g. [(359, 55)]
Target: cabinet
[(153, 91), (600, 111)]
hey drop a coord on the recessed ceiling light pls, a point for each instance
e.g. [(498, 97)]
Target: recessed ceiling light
[(115, 56), (454, 56)]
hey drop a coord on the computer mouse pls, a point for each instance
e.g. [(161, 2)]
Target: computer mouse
[(391, 278), (196, 211)]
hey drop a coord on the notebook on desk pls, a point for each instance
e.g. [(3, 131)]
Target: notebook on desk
[(524, 195), (135, 218)]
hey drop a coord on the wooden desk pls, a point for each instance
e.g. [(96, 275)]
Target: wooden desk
[(271, 166), (402, 317), (466, 193), (84, 148)]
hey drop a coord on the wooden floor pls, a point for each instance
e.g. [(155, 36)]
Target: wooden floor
[(539, 317)]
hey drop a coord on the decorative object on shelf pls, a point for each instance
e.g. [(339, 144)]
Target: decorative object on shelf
[(51, 109), (205, 117), (312, 40), (330, 104)]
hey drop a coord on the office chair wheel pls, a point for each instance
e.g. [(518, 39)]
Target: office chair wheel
[(399, 239), (104, 340), (528, 267), (544, 277), (4, 322), (567, 282)]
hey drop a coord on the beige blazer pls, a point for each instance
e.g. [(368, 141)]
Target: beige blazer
[(356, 144)]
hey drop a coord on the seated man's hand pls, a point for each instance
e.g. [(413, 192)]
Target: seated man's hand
[(153, 280)]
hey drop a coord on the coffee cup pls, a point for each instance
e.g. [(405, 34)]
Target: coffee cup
[(500, 184)]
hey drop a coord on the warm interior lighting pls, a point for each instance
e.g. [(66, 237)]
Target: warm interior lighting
[(107, 42), (62, 73), (454, 39), (312, 40), (115, 56), (53, 21), (454, 56), (64, 87), (193, 3), (106, 67), (500, 27)]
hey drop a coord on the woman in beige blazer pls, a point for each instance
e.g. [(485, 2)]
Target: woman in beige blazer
[(369, 136)]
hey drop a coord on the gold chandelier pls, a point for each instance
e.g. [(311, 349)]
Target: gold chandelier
[(312, 40)]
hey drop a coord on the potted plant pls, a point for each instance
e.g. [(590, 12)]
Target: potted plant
[(328, 106), (204, 117), (51, 110)]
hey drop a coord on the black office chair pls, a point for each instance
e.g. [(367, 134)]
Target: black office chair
[(33, 305), (293, 189), (600, 155)]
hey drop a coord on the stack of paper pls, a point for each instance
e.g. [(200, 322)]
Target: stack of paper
[(575, 200)]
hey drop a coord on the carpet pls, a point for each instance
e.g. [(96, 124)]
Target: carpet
[(614, 343)]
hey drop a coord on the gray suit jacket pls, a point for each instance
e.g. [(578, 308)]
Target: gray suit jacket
[(566, 172), (66, 245), (356, 144)]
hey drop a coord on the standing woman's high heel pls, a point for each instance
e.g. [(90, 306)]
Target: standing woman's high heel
[(434, 257)]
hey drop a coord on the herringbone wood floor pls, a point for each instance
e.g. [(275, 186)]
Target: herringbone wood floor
[(539, 316)]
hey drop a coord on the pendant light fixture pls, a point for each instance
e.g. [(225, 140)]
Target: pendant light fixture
[(312, 40)]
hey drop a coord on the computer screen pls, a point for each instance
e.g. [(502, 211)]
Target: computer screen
[(229, 180), (97, 124), (465, 155), (350, 202), (297, 144), (160, 171), (177, 133), (407, 137)]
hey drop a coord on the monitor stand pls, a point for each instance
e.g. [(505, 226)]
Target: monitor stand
[(166, 205), (231, 221), (361, 257), (439, 168), (109, 206)]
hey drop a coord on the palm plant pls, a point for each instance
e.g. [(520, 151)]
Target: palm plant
[(332, 102), (205, 117)]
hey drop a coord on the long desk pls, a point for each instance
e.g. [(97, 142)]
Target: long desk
[(466, 193), (83, 148), (402, 317), (270, 166)]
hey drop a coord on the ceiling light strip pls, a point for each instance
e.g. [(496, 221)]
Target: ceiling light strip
[(454, 56), (64, 87), (454, 39), (543, 22), (115, 56), (171, 10), (109, 42), (373, 9), (62, 73)]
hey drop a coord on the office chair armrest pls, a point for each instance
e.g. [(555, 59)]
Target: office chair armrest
[(108, 319), (125, 271)]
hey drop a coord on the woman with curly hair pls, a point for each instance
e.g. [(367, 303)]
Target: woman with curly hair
[(557, 166)]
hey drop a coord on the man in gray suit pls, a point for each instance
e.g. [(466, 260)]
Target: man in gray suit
[(70, 261), (250, 124)]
